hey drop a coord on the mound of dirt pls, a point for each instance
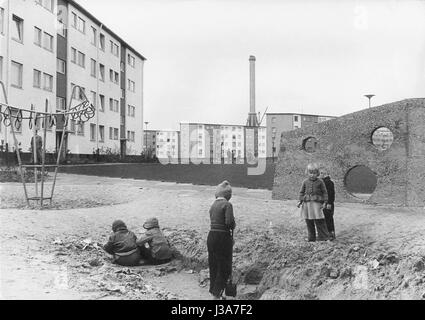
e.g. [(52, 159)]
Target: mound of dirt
[(275, 264)]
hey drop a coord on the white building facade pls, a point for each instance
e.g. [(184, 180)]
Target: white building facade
[(217, 143), (47, 47), (167, 148)]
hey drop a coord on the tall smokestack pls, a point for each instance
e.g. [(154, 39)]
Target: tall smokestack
[(252, 118), (252, 83)]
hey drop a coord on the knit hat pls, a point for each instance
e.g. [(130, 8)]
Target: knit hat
[(151, 223), (118, 224), (224, 190)]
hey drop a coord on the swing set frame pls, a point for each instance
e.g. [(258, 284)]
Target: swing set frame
[(13, 117)]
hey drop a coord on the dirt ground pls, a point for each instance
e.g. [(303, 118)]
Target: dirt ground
[(56, 253)]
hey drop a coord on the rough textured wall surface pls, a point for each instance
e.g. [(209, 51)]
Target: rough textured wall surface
[(346, 142)]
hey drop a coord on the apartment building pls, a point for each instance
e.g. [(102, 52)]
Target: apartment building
[(216, 143), (282, 122), (48, 48), (149, 140), (167, 146)]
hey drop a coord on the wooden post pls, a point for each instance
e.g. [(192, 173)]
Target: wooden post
[(43, 158)]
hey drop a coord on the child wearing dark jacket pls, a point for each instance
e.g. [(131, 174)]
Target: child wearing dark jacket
[(220, 240), (122, 245), (313, 197), (329, 209), (158, 251)]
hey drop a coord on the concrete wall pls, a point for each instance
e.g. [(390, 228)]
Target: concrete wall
[(346, 142)]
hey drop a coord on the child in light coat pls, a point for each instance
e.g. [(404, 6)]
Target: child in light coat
[(313, 197)]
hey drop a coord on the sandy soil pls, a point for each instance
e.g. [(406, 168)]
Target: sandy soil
[(55, 253)]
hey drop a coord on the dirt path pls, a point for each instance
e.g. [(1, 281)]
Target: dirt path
[(44, 256)]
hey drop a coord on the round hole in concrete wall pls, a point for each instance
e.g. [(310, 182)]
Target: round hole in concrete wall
[(382, 138), (360, 182), (310, 145)]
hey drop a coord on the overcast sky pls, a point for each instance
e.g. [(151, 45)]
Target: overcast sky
[(316, 57)]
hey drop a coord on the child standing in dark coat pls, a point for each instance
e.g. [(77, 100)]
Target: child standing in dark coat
[(313, 196), (122, 245), (220, 240), (328, 210)]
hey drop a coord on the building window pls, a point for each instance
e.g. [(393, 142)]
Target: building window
[(296, 118), (37, 79), (101, 103), (115, 50), (80, 128), (274, 120), (48, 42), (131, 60), (131, 111), (81, 25), (73, 55), (61, 66), (48, 82), (93, 68), (113, 105), (102, 72), (60, 103), (16, 74), (130, 136), (18, 29), (131, 86), (74, 20), (93, 97), (115, 134), (92, 132), (93, 36), (81, 59), (101, 134), (114, 76), (48, 4), (37, 36), (102, 42), (1, 21)]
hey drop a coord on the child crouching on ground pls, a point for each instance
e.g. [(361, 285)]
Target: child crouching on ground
[(313, 196), (122, 245), (159, 250)]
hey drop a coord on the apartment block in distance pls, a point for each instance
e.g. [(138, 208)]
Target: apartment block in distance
[(48, 47), (149, 141), (167, 146), (216, 143), (282, 122)]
